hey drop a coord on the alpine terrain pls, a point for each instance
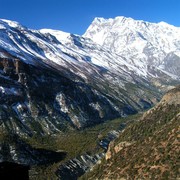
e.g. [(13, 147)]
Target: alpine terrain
[(52, 80), (56, 84)]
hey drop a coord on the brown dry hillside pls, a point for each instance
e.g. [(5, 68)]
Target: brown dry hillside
[(147, 149)]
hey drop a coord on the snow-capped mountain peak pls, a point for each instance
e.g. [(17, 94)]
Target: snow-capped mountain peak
[(127, 26), (137, 40)]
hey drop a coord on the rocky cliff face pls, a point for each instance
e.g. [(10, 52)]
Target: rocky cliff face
[(43, 101), (170, 99)]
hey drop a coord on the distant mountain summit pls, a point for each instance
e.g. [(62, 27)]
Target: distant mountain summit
[(142, 43), (52, 80)]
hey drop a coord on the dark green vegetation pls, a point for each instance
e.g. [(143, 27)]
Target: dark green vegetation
[(153, 150), (72, 142), (75, 143)]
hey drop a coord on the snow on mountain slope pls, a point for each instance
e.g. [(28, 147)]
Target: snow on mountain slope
[(61, 48), (60, 35), (67, 77), (142, 43), (129, 48), (86, 59)]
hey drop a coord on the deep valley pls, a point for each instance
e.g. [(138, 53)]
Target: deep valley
[(101, 105)]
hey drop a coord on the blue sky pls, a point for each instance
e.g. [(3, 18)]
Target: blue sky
[(76, 15)]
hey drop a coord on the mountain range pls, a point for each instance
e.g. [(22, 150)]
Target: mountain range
[(51, 81)]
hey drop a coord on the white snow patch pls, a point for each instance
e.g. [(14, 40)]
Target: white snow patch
[(60, 35)]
